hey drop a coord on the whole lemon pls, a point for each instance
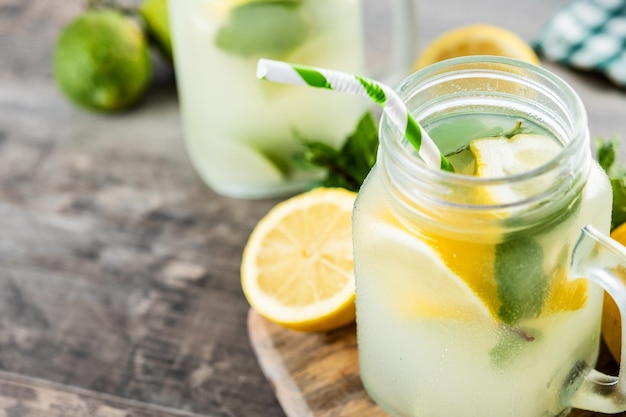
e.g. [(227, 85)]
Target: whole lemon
[(476, 39), (101, 60)]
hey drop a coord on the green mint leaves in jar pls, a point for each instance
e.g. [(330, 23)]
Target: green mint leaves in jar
[(268, 28)]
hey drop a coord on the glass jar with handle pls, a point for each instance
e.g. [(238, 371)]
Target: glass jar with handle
[(479, 293)]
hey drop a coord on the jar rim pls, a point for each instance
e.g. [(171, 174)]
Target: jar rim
[(507, 87), (485, 64)]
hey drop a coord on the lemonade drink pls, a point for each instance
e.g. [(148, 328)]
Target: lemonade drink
[(465, 303), (242, 133)]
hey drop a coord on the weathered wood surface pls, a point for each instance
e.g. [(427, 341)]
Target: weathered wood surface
[(29, 397), (317, 375), (119, 269)]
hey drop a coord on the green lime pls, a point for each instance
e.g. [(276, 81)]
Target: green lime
[(154, 13), (101, 61)]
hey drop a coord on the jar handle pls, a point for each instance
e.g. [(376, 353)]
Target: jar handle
[(601, 260)]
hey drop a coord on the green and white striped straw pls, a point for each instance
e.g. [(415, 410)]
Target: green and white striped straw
[(391, 103)]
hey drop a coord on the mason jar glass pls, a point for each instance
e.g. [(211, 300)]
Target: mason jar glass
[(467, 300), (243, 135)]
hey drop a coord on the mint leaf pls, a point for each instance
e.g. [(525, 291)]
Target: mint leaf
[(346, 167), (607, 158), (511, 343), (607, 153), (359, 151), (618, 184), (522, 283), (263, 28), (522, 288)]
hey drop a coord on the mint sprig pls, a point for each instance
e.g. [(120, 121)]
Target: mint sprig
[(607, 158), (348, 166)]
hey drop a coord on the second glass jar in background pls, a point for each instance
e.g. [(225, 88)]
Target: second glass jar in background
[(241, 133)]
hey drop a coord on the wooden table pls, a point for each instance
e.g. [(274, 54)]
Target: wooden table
[(119, 269)]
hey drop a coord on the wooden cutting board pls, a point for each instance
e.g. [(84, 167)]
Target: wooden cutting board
[(312, 374), (317, 375)]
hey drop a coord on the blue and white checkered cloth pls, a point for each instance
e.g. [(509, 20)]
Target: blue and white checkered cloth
[(588, 35)]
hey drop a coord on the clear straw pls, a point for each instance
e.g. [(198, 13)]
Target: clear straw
[(385, 96)]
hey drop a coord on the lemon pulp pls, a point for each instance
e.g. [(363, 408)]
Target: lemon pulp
[(297, 267)]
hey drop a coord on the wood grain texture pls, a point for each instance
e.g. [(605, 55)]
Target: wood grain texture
[(119, 270), (313, 374), (27, 397), (317, 375)]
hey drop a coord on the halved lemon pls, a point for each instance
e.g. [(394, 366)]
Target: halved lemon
[(477, 40), (297, 267)]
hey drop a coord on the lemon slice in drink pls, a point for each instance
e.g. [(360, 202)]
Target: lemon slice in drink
[(233, 166), (297, 267), (437, 293), (477, 40), (499, 157)]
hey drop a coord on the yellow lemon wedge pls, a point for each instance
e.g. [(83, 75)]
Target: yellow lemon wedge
[(503, 157), (477, 40), (215, 165), (425, 286), (499, 157), (297, 267)]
